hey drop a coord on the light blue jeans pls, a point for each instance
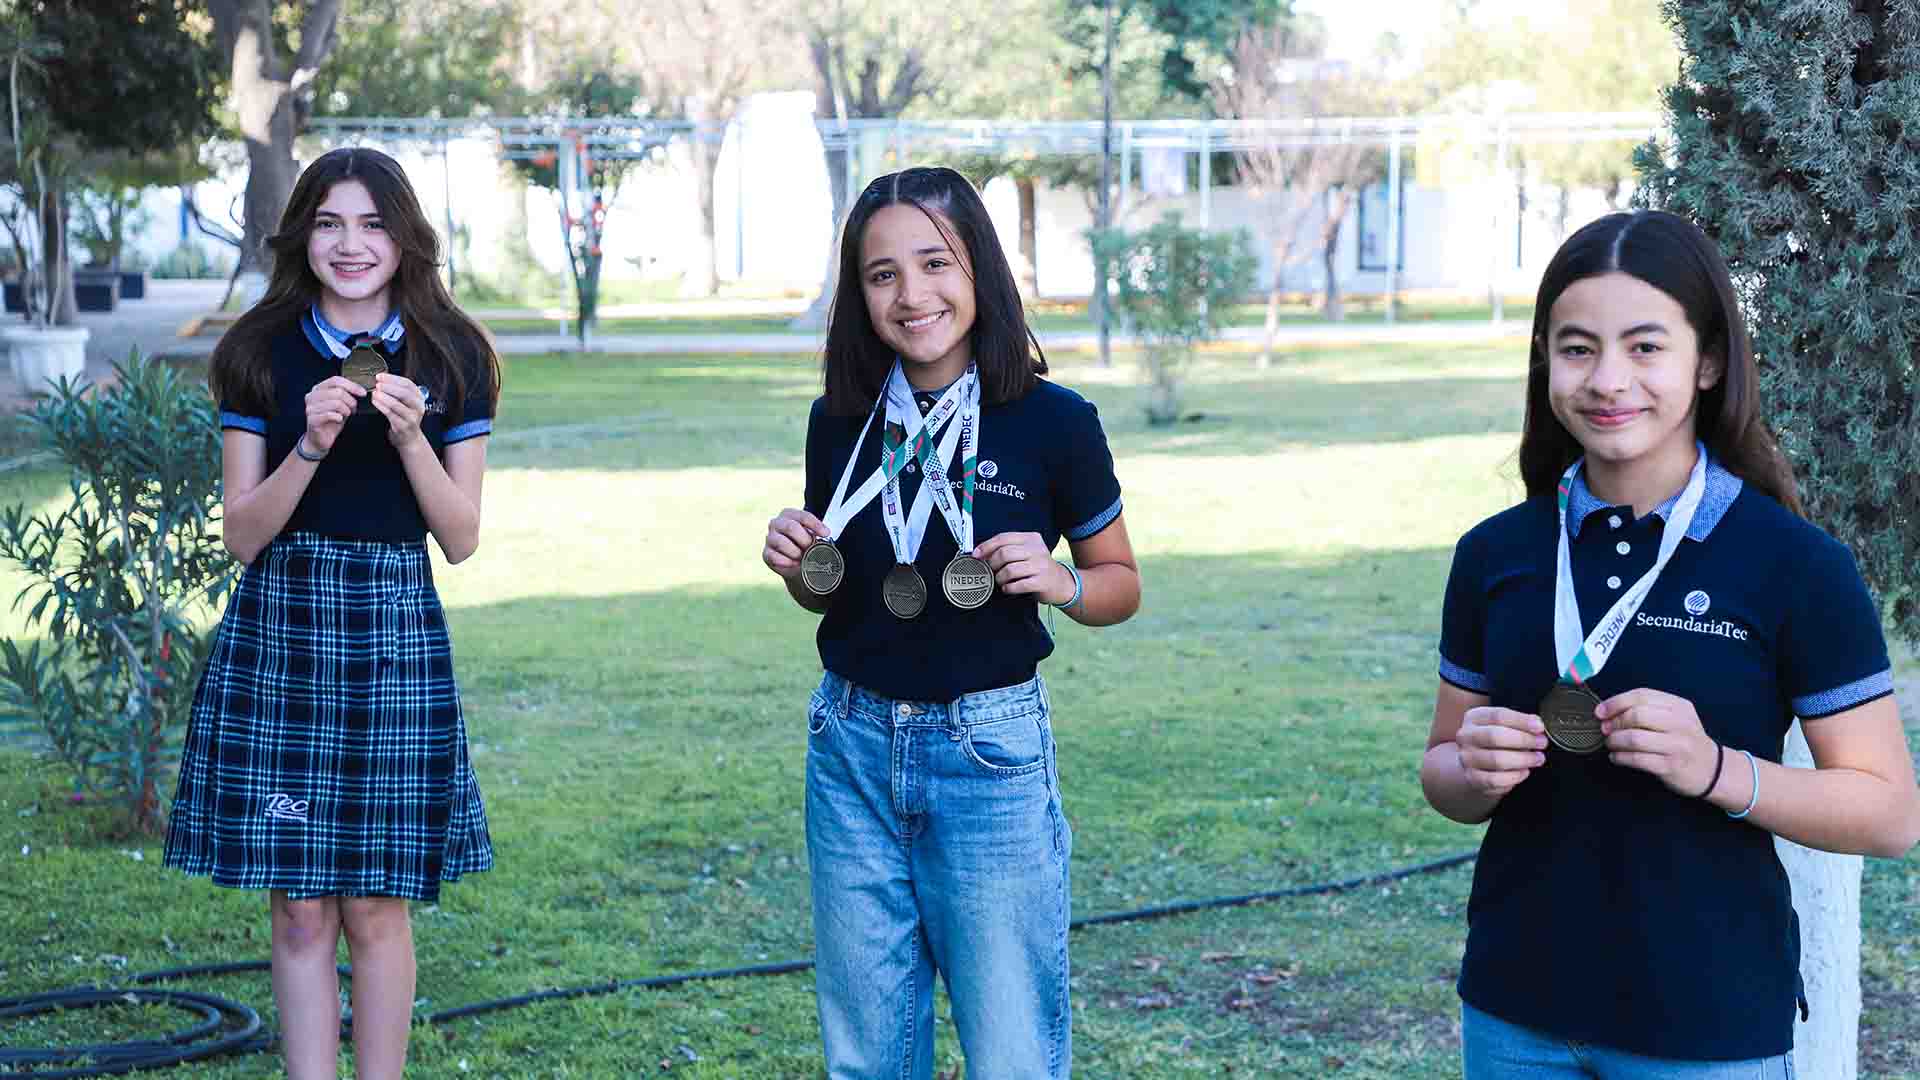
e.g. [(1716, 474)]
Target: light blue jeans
[(1494, 1049), (936, 842)]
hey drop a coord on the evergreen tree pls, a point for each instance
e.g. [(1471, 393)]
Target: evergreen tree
[(1796, 145)]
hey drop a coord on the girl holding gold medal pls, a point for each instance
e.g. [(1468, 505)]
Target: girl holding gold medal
[(1629, 917), (935, 834), (326, 756)]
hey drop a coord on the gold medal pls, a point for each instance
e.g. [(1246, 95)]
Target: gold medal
[(1568, 713), (361, 367)]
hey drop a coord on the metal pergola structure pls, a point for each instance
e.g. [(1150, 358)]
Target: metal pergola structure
[(898, 140)]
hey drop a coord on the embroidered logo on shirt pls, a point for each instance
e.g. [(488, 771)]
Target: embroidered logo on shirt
[(287, 808), (988, 470), (1696, 604)]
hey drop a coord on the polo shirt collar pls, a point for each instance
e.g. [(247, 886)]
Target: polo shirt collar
[(1722, 488), (337, 343)]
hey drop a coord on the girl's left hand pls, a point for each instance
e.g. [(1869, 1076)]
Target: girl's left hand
[(404, 405), (1659, 733), (1022, 563)]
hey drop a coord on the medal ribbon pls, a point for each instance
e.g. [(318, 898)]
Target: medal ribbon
[(915, 443), (1580, 659), (959, 515), (842, 507)]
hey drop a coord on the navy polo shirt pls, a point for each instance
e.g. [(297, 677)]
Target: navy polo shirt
[(360, 491), (1044, 467), (1605, 908)]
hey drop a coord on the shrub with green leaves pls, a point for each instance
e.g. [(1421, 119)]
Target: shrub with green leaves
[(1797, 147), (119, 575), (1173, 284)]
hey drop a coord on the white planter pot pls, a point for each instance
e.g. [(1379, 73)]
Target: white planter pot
[(41, 357)]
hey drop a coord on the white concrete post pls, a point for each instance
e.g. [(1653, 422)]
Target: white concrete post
[(1826, 894)]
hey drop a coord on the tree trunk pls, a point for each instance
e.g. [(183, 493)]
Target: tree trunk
[(1029, 247), (59, 261), (1273, 321), (703, 277), (1826, 896), (270, 176), (1098, 303), (266, 95), (1337, 204)]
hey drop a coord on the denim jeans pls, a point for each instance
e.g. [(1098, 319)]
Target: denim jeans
[(1494, 1049), (936, 842)]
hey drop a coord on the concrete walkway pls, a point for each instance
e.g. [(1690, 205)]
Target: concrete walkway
[(152, 324)]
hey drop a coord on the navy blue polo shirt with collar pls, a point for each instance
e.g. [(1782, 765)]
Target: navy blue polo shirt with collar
[(1605, 908), (360, 491), (1043, 467)]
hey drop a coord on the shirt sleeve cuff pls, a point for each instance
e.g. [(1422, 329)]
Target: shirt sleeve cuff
[(1095, 523), (471, 429), (1841, 698), (1471, 681), (243, 422)]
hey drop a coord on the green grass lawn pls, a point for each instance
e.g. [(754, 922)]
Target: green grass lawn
[(1045, 316), (635, 683)]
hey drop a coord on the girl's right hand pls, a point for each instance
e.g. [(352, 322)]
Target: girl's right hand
[(789, 535), (1499, 748), (329, 403)]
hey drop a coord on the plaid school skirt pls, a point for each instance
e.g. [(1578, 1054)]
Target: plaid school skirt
[(326, 753)]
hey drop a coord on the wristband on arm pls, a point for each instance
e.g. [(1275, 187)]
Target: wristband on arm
[(1077, 585)]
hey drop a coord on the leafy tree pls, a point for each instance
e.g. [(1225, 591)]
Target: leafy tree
[(873, 60), (108, 204), (1191, 27), (1793, 148), (1172, 285), (1279, 73), (77, 106), (440, 58), (271, 97), (582, 205), (1611, 56)]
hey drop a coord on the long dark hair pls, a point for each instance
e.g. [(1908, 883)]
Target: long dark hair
[(445, 348), (1671, 254), (856, 361)]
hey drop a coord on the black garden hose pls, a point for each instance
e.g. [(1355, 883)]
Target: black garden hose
[(227, 1027)]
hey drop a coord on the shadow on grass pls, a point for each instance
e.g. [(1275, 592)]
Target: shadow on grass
[(688, 412), (1257, 725)]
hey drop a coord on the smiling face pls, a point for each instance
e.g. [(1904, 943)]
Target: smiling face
[(352, 254), (919, 292), (1625, 373)]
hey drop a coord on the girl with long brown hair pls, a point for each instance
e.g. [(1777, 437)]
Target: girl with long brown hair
[(326, 756)]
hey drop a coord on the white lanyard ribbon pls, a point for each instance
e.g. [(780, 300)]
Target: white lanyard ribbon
[(958, 512), (842, 507), (906, 531), (1580, 659)]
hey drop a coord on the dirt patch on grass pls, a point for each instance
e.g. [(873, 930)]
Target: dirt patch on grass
[(1890, 1031), (1276, 997)]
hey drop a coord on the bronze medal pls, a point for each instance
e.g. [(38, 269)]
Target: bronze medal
[(1568, 713), (822, 567), (904, 592), (361, 367), (967, 582)]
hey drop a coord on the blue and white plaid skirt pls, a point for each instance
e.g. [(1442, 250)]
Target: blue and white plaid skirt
[(326, 754)]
